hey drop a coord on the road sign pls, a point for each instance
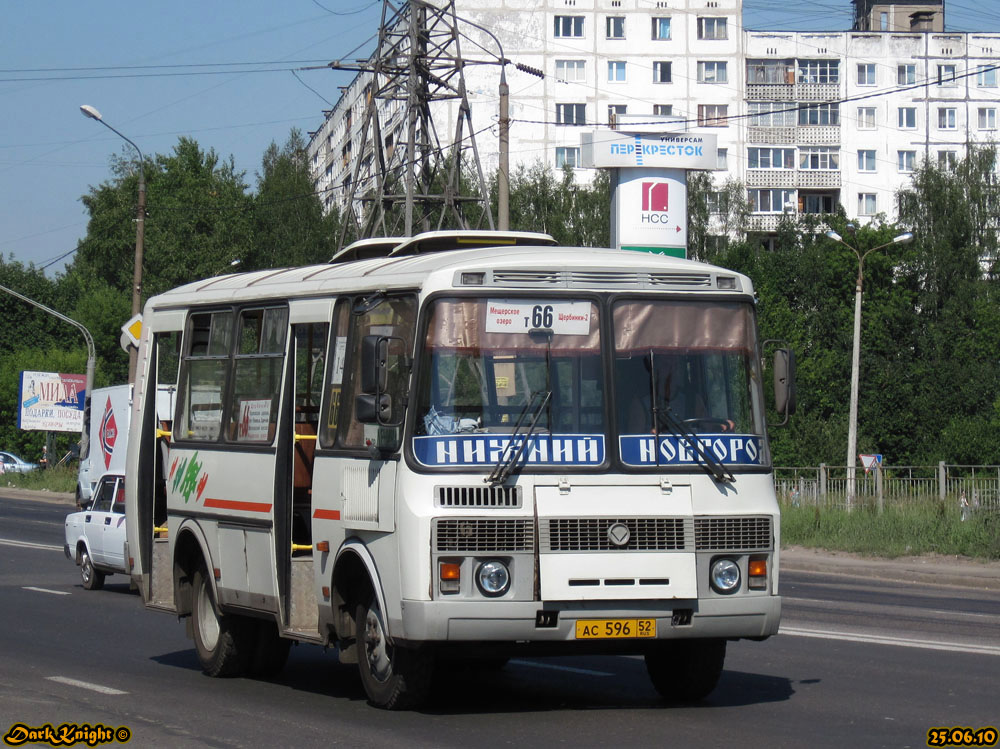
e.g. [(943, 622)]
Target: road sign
[(133, 329), (871, 461)]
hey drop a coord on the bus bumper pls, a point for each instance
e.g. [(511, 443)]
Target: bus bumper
[(532, 621)]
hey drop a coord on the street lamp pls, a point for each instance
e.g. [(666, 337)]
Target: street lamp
[(852, 432), (140, 216)]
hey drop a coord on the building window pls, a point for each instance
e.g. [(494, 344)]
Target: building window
[(907, 117), (987, 118), (771, 201), (661, 28), (722, 158), (772, 113), (616, 27), (906, 75), (883, 21), (946, 118), (666, 110), (866, 160), (614, 110), (947, 160), (866, 118), (986, 76), (820, 114), (946, 75), (568, 27), (819, 71), (571, 70), (713, 202), (819, 157), (713, 115), (905, 160), (571, 114), (771, 158), (866, 74), (866, 204), (567, 156), (616, 71), (771, 71), (816, 203), (712, 72), (712, 28), (661, 71)]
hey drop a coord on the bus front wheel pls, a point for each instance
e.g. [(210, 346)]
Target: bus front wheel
[(686, 670), (394, 677), (221, 640)]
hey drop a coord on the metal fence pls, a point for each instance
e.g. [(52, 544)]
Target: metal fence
[(974, 488)]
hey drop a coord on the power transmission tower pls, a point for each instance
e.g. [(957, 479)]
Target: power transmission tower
[(402, 187)]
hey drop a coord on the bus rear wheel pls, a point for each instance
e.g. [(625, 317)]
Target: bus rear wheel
[(222, 641), (394, 677), (686, 670)]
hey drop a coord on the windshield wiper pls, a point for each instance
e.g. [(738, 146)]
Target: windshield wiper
[(510, 457), (677, 428)]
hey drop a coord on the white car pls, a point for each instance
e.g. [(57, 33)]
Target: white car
[(95, 537)]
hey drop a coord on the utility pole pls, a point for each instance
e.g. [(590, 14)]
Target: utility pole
[(398, 187)]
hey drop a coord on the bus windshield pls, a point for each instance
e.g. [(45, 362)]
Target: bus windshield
[(687, 367), (490, 363)]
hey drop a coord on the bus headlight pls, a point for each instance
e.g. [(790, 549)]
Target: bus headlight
[(725, 575), (493, 578)]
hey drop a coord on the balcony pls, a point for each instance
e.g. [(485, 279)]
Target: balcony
[(810, 135), (793, 178), (793, 92), (768, 222)]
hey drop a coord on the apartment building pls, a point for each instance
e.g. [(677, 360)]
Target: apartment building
[(806, 120)]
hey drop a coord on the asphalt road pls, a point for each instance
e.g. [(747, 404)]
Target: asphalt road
[(860, 662)]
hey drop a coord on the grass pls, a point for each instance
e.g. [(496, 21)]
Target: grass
[(925, 527), (59, 479)]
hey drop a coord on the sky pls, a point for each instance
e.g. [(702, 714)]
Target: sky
[(227, 73)]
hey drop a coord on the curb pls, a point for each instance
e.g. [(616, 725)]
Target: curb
[(38, 495), (928, 570)]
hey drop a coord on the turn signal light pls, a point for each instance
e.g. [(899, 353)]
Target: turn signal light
[(323, 546), (758, 567), (451, 577), (757, 577)]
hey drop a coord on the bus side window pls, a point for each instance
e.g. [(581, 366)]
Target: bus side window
[(260, 356), (204, 373), (332, 394)]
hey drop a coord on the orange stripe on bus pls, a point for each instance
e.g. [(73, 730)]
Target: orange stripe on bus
[(231, 504), (327, 514)]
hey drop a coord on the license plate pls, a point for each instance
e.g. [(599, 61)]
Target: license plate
[(609, 629)]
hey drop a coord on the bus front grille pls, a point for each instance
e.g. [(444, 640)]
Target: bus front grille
[(501, 497), (595, 534), (732, 533), (483, 535)]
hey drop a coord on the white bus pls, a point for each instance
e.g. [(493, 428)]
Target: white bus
[(472, 452)]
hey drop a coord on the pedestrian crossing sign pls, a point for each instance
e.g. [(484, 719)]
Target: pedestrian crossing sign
[(871, 461)]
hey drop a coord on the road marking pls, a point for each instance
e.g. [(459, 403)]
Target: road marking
[(28, 544), (570, 669), (904, 642), (839, 605), (46, 590), (85, 685)]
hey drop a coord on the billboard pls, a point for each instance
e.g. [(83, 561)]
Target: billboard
[(681, 150), (649, 210), (51, 402)]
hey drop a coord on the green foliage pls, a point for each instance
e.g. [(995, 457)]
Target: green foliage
[(59, 479), (923, 527), (576, 215)]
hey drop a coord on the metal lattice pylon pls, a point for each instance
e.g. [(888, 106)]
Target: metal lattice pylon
[(417, 185)]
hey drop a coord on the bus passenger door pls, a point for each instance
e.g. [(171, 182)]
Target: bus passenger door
[(295, 542)]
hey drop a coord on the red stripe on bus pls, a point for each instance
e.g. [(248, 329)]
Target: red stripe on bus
[(327, 514), (231, 504)]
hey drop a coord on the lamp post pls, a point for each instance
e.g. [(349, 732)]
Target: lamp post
[(852, 431), (140, 216), (85, 433)]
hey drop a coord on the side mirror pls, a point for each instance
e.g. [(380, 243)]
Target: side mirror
[(784, 382), (382, 358), (374, 363), (373, 409)]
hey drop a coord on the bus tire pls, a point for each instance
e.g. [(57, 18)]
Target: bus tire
[(686, 670), (270, 651), (222, 642), (394, 677), (93, 579)]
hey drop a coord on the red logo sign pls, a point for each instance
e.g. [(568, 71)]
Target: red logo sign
[(109, 434), (654, 196)]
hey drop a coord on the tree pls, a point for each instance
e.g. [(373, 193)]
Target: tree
[(574, 214), (289, 225)]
